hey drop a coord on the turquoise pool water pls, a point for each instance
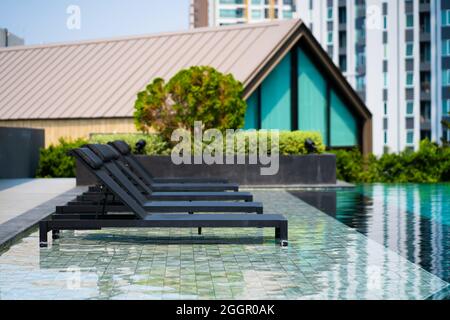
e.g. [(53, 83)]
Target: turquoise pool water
[(411, 219)]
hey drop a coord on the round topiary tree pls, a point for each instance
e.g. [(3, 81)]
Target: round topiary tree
[(195, 94)]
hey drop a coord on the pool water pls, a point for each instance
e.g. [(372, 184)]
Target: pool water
[(410, 219), (325, 260)]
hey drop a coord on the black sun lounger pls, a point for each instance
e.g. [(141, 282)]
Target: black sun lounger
[(118, 169), (124, 149), (96, 165), (140, 217)]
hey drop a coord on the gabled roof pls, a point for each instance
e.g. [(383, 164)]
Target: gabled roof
[(100, 79)]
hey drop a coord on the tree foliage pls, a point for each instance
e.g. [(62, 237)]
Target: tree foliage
[(195, 94)]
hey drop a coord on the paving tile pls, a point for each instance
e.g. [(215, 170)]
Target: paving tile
[(324, 260)]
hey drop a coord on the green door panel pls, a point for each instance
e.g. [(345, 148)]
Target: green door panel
[(344, 126), (251, 115), (312, 97), (276, 97)]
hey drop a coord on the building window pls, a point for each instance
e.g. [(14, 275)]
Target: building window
[(256, 2), (360, 59), (409, 21), (385, 108), (360, 35), (409, 107), (343, 63), (446, 134), (409, 49), (410, 137), (360, 83), (231, 1), (446, 107), (385, 51), (425, 52), (330, 13), (385, 137), (342, 15), (385, 79), (256, 14), (446, 77), (231, 13), (385, 22), (446, 47), (287, 14), (330, 37), (409, 79), (445, 18)]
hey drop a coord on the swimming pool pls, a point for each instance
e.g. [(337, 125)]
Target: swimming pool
[(410, 219)]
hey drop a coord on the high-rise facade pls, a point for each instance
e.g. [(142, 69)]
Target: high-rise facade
[(8, 39), (395, 53), (225, 12)]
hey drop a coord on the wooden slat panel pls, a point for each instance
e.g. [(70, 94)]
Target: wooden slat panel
[(74, 128)]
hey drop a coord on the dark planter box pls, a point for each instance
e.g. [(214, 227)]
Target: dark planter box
[(19, 152), (294, 170)]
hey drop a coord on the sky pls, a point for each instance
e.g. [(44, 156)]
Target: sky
[(49, 21)]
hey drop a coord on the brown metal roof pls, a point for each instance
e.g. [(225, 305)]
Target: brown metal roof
[(100, 79)]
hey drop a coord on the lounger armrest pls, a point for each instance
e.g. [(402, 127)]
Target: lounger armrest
[(189, 180)]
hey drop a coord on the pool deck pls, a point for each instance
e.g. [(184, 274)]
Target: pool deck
[(325, 259), (24, 202)]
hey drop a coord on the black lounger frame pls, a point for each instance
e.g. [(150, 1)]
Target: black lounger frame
[(94, 220)]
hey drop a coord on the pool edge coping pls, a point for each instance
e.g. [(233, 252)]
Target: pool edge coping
[(13, 230)]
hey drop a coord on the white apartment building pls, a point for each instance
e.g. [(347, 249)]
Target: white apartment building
[(225, 12), (395, 53)]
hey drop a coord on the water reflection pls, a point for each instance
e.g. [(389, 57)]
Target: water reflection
[(412, 220), (325, 260)]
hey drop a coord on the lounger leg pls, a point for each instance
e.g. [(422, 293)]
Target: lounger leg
[(43, 230), (282, 233), (55, 234), (199, 230)]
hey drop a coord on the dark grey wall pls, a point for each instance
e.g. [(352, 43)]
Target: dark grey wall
[(308, 169), (19, 152)]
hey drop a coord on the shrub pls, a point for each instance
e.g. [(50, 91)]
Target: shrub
[(155, 143), (430, 164), (194, 94), (293, 142), (54, 161), (290, 142)]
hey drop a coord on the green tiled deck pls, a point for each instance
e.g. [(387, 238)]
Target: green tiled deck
[(325, 260)]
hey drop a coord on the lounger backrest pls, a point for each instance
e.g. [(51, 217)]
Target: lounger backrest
[(95, 165), (131, 160), (104, 151), (121, 146), (108, 155)]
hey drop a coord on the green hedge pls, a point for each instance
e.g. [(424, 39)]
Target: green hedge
[(55, 163), (155, 144), (290, 142), (430, 164)]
